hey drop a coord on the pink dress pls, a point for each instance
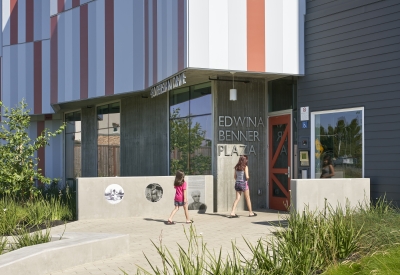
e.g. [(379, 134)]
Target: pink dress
[(179, 192)]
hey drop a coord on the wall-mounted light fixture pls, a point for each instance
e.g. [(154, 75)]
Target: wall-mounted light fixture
[(233, 91)]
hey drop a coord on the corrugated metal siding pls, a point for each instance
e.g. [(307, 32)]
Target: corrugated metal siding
[(352, 59), (144, 136)]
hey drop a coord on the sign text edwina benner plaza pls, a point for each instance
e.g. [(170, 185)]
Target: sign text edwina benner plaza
[(242, 136)]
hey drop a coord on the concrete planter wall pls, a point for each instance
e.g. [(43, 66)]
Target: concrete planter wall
[(92, 203), (337, 192)]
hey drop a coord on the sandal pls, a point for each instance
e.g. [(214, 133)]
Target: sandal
[(189, 222), (254, 214), (233, 216), (170, 222)]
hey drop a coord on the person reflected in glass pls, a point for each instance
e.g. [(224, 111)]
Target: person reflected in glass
[(241, 176), (327, 168)]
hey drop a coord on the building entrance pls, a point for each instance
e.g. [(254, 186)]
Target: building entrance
[(279, 159)]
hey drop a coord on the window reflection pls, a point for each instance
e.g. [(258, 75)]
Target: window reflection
[(73, 145), (190, 130), (339, 136), (108, 140)]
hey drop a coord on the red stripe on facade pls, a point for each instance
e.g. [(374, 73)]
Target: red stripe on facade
[(53, 60), (109, 47), (84, 62), (37, 77), (13, 21), (155, 41), (146, 44), (181, 35), (60, 5), (75, 3), (41, 152), (29, 21), (256, 35)]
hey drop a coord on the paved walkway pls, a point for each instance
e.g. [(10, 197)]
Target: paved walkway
[(216, 229)]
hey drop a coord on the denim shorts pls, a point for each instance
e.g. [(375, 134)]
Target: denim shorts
[(179, 203)]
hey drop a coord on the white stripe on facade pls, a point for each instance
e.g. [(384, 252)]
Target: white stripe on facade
[(138, 47), (173, 27), (23, 70), (100, 48), (161, 45), (1, 27), (61, 58), (53, 7), (6, 80), (237, 35), (68, 4), (28, 93), (123, 45), (46, 107), (21, 21), (68, 54), (218, 30), (274, 36), (76, 54), (54, 163), (92, 58), (38, 19), (291, 36), (45, 20), (198, 24), (6, 22), (168, 30)]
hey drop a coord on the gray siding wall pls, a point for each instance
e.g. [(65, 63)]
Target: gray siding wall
[(251, 102), (352, 58), (144, 136)]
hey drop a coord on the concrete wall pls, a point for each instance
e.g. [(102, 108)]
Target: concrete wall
[(313, 192), (92, 204), (251, 102)]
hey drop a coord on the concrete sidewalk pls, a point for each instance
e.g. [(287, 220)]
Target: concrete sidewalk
[(217, 231)]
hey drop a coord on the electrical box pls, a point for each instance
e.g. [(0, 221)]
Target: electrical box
[(304, 158), (303, 142)]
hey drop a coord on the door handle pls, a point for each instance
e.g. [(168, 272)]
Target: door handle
[(288, 172)]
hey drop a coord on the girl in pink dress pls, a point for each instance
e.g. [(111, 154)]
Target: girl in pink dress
[(181, 198)]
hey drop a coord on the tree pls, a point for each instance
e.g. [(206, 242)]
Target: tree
[(18, 165), (185, 141)]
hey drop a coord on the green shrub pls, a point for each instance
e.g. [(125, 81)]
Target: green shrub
[(18, 165)]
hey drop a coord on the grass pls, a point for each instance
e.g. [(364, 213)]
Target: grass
[(382, 262), (311, 243), (24, 220)]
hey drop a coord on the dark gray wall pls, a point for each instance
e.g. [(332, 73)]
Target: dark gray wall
[(144, 136), (89, 142), (352, 59), (251, 102)]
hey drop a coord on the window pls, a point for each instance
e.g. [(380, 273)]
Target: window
[(190, 130), (338, 137), (108, 140), (73, 145)]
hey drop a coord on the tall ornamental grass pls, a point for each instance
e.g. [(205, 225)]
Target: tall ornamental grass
[(306, 243)]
